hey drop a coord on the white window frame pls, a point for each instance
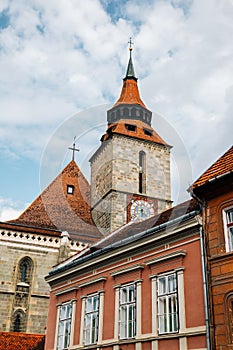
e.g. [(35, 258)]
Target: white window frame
[(127, 315), (167, 298), (91, 319), (228, 228), (64, 326)]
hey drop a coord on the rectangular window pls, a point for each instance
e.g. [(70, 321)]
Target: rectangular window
[(167, 304), (228, 221), (64, 326), (127, 311), (91, 320)]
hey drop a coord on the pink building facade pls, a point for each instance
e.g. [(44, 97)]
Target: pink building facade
[(139, 288)]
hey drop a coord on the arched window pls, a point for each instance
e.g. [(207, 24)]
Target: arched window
[(25, 270), (142, 172), (19, 321)]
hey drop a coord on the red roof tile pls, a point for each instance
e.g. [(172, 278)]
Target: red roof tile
[(142, 131), (130, 93), (222, 166), (21, 341), (57, 210)]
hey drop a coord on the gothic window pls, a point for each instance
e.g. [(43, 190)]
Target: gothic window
[(25, 270), (228, 228), (142, 172), (19, 321), (229, 316)]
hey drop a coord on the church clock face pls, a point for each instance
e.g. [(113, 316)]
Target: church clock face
[(141, 210)]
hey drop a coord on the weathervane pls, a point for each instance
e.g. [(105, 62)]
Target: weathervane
[(73, 149)]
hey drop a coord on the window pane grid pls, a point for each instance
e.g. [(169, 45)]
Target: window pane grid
[(64, 326), (91, 320), (127, 311), (167, 304)]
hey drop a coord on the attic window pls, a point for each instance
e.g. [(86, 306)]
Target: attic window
[(130, 127), (147, 132), (70, 189)]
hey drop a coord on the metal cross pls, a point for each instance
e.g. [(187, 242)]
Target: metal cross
[(73, 149), (130, 44)]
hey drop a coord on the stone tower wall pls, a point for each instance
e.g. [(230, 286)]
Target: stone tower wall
[(115, 173)]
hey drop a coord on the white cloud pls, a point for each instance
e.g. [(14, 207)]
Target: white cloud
[(61, 56), (9, 210)]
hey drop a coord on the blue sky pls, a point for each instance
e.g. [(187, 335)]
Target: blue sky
[(62, 64)]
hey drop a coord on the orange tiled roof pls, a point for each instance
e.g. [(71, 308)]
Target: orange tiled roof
[(130, 93), (120, 127), (21, 341), (222, 166), (56, 209)]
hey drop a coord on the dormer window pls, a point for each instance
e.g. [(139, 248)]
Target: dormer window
[(130, 127), (147, 132), (70, 189)]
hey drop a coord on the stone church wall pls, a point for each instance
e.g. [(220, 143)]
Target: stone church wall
[(28, 298)]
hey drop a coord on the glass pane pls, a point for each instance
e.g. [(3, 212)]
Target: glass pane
[(61, 328), (123, 330), (96, 303), (68, 310), (131, 313), (171, 283), (123, 295), (87, 336), (60, 342), (231, 237), (123, 313), (230, 216), (131, 293), (162, 285), (89, 306), (62, 312), (88, 321)]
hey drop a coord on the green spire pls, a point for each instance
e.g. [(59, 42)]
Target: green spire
[(130, 69)]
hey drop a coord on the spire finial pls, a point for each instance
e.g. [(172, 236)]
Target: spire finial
[(73, 149), (130, 70), (130, 44)]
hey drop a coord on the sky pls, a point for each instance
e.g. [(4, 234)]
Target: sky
[(61, 67)]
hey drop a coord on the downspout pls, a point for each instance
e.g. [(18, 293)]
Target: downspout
[(205, 289), (204, 276)]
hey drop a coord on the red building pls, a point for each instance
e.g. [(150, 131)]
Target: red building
[(138, 288), (214, 190)]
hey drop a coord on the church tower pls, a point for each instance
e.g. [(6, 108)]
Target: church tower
[(130, 171)]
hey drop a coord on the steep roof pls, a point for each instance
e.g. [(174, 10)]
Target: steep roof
[(221, 167), (130, 93), (56, 209), (133, 128), (21, 341)]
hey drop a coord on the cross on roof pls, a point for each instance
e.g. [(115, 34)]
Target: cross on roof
[(130, 44), (74, 149)]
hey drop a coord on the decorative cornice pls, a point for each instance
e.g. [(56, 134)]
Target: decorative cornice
[(174, 255), (95, 280), (128, 269)]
